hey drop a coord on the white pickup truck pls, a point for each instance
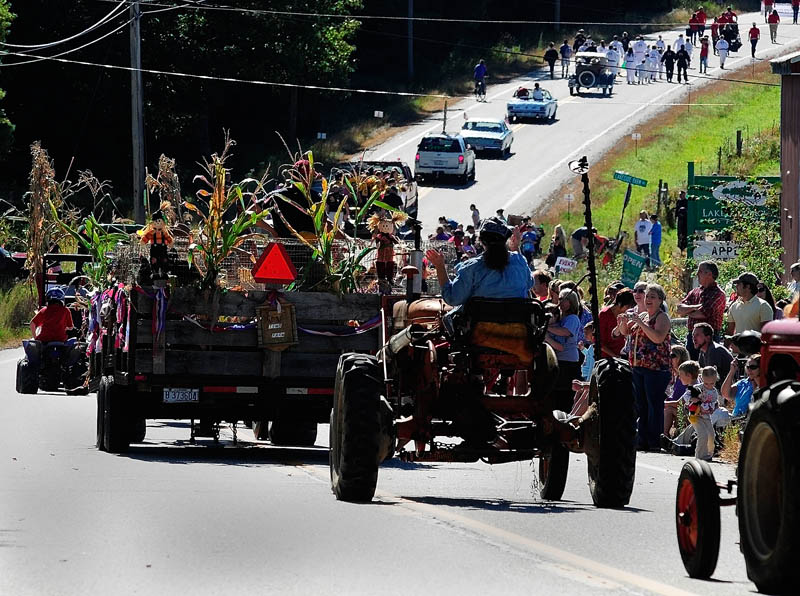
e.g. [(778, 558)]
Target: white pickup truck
[(444, 155)]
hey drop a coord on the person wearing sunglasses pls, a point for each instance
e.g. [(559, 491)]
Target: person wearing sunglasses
[(741, 391), (763, 292)]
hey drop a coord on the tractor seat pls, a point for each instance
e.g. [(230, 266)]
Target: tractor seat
[(505, 326)]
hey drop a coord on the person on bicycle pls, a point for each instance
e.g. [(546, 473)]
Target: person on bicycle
[(479, 74), (52, 321)]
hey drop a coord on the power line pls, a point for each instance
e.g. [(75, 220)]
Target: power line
[(120, 6), (226, 79), (65, 53), (279, 13)]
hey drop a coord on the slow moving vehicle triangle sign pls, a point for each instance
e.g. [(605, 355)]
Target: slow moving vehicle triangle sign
[(274, 266)]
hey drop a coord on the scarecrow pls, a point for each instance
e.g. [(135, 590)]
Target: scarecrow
[(158, 236), (383, 227)]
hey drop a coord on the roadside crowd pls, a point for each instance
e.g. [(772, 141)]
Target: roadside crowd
[(708, 379)]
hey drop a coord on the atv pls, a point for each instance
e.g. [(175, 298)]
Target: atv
[(52, 366)]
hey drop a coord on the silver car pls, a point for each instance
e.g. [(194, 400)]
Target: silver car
[(488, 134)]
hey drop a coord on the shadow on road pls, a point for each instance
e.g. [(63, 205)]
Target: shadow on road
[(224, 453), (516, 506)]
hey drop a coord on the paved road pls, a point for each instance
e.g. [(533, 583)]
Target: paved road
[(169, 518), (587, 125)]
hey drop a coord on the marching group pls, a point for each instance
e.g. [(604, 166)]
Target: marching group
[(641, 62)]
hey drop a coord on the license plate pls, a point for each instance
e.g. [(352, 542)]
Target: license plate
[(174, 395), (438, 162)]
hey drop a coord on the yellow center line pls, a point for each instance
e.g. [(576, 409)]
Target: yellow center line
[(517, 127), (424, 191), (539, 548)]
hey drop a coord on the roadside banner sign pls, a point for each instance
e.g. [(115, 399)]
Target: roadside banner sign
[(566, 265), (715, 250), (274, 266), (625, 177), (632, 265)]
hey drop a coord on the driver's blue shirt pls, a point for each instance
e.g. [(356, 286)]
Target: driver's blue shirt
[(480, 71), (474, 279)]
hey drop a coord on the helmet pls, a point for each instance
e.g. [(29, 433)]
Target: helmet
[(56, 293), (496, 227)]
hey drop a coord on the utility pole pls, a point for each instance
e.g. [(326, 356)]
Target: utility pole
[(137, 113), (410, 40), (557, 14)]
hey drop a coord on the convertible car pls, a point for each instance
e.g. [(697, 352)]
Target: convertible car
[(523, 106), (488, 135)]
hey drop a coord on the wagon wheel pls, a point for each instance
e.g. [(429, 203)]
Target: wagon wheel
[(697, 519)]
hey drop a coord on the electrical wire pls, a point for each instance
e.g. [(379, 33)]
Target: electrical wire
[(35, 47), (64, 53), (287, 13)]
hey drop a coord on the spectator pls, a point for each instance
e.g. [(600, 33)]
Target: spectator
[(611, 345), (741, 391), (528, 243), (476, 216), (440, 235), (566, 55), (642, 236), (558, 247), (754, 34), (580, 240), (794, 285), (795, 9), (562, 337), (611, 292), (587, 349), (763, 292), (710, 352), (704, 303), (501, 215), (649, 357), (553, 291), (675, 390), (773, 21), (541, 285), (748, 312), (550, 56), (655, 241), (467, 248)]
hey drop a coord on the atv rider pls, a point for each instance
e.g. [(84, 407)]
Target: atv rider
[(496, 273), (53, 321)]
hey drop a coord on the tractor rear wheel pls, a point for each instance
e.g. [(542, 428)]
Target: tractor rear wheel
[(610, 438), (769, 482), (359, 437), (697, 519)]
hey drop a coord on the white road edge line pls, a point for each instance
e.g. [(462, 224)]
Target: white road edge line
[(545, 551)]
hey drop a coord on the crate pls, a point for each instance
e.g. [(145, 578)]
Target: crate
[(277, 326)]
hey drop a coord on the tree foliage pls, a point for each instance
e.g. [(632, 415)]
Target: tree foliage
[(6, 127)]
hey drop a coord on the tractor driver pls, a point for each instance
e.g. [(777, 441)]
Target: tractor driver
[(497, 273), (52, 322)]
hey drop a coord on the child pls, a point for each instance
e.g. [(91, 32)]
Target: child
[(686, 377), (702, 403), (641, 72), (588, 351)]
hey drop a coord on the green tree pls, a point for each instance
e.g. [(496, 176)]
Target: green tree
[(6, 127)]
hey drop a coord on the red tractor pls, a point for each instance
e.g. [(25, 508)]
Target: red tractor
[(477, 384), (767, 477)]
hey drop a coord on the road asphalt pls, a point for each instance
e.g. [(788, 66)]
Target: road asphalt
[(587, 125), (172, 518)]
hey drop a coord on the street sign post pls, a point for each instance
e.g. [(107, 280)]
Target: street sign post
[(636, 136), (568, 198)]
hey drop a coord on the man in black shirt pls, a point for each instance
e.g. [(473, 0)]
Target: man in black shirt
[(683, 60), (550, 56)]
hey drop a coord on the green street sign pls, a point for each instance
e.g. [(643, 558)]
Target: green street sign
[(625, 177), (632, 265)]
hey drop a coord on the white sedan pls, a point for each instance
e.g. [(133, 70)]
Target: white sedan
[(488, 134)]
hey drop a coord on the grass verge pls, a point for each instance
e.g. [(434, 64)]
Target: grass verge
[(676, 136), (17, 307)]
